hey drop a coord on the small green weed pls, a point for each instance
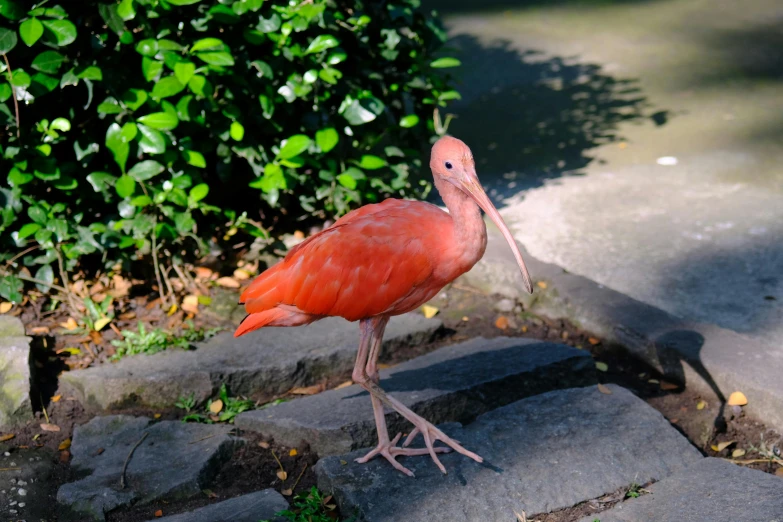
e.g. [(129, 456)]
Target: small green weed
[(635, 491), (222, 409), (311, 506), (153, 341)]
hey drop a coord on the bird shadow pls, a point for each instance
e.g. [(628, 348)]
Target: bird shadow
[(529, 117)]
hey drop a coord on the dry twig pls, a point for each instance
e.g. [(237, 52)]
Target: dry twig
[(127, 459)]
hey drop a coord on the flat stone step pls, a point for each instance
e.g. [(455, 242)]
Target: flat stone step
[(711, 490), (453, 383), (173, 461), (267, 362), (542, 453), (15, 378), (260, 505)]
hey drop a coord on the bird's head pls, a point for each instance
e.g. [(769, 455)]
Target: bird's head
[(452, 161)]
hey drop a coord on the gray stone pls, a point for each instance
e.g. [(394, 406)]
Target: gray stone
[(174, 461), (15, 375), (709, 359), (542, 453), (711, 490), (261, 505), (260, 364), (453, 383), (26, 484)]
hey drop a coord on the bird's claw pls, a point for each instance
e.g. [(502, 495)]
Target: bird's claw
[(432, 434), (390, 451)]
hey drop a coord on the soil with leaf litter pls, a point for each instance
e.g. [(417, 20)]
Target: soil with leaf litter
[(466, 314)]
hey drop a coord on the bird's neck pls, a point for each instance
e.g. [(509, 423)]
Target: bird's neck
[(470, 232)]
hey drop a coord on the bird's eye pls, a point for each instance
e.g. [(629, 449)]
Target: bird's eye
[(449, 165)]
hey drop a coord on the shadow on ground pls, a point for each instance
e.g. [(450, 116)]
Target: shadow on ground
[(469, 6), (529, 117)]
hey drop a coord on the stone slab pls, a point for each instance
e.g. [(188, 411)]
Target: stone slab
[(264, 363), (261, 505), (453, 383), (26, 484), (541, 454), (15, 374), (711, 490), (709, 359), (176, 460)]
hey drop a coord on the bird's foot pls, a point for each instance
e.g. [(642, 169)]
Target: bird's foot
[(390, 451), (431, 434)]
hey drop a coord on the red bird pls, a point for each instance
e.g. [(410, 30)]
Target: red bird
[(383, 260)]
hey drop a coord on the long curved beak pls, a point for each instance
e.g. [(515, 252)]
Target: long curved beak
[(473, 188)]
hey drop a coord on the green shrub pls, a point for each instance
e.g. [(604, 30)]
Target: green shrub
[(149, 128)]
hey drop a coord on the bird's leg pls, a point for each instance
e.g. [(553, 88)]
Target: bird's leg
[(366, 375)]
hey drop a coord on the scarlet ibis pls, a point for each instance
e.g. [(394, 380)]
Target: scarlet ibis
[(379, 261)]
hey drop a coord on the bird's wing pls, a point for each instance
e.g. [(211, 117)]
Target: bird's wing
[(357, 268)]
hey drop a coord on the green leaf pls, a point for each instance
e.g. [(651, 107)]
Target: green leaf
[(326, 139), (129, 131), (409, 121), (199, 192), (206, 44), (236, 131), (269, 25), (16, 178), (217, 58), (109, 106), (183, 2), (273, 179), (442, 63), (28, 230), (37, 214), (112, 18), (145, 170), (194, 158), (147, 47), (330, 75), (101, 181), (11, 10), (117, 145), (134, 98), (322, 42), (166, 87), (5, 91), (141, 201), (31, 30), (294, 146), (91, 73), (371, 162), (152, 141), (48, 62), (125, 186), (60, 124), (66, 183), (346, 181), (44, 273), (150, 68), (160, 120), (126, 11), (11, 288), (267, 106), (59, 32), (7, 40), (359, 112), (183, 71)]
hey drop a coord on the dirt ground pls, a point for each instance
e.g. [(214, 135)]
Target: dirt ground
[(466, 314)]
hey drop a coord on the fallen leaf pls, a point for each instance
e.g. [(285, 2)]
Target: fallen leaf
[(501, 322), (209, 493), (214, 418), (344, 385), (653, 381), (101, 323), (71, 350), (779, 472), (121, 286), (159, 513), (668, 386), (127, 316), (203, 272), (39, 330), (383, 366), (564, 335), (298, 234), (701, 405), (307, 390), (5, 307), (344, 462), (216, 406), (737, 453), (593, 340), (190, 304), (330, 507), (228, 282), (65, 455), (287, 492), (96, 337), (56, 398), (36, 436), (292, 453), (737, 399), (429, 311), (282, 475), (50, 427), (172, 310), (465, 318), (70, 324), (240, 274), (722, 445), (523, 329), (7, 436), (64, 445), (601, 366), (604, 389), (541, 285), (674, 420), (204, 300), (157, 415), (264, 444)]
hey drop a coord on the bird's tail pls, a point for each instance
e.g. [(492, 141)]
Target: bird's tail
[(273, 317)]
